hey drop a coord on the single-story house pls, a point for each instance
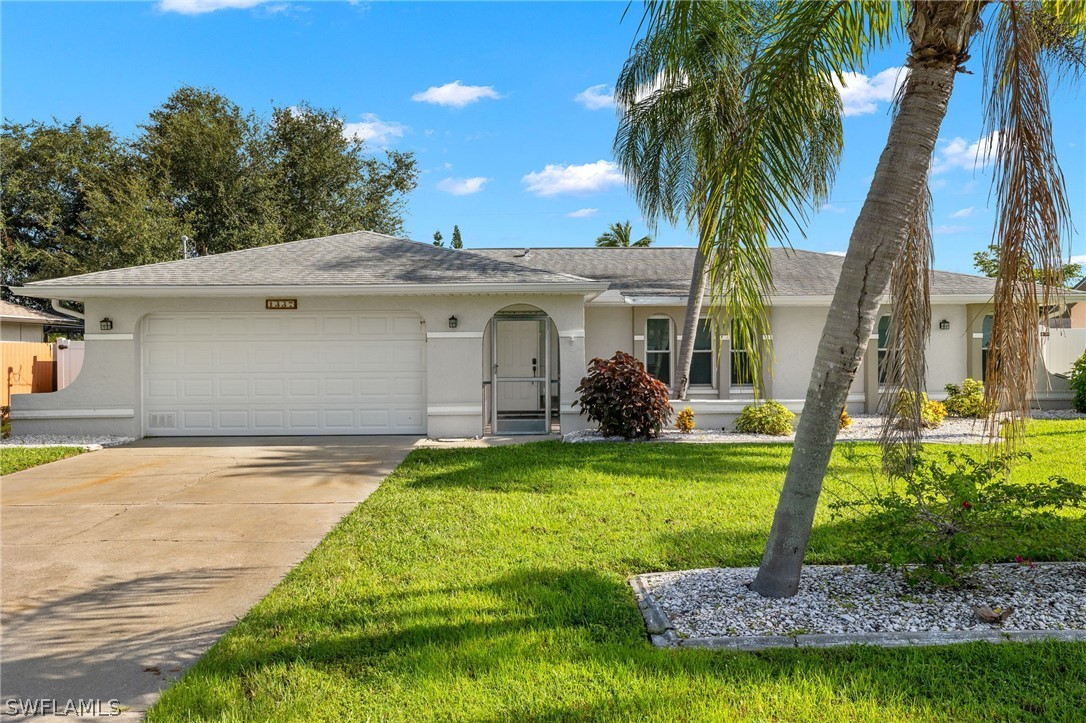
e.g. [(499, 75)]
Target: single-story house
[(21, 323), (362, 333)]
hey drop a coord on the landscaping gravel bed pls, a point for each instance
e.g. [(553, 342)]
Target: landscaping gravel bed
[(716, 602), (54, 440), (864, 427)]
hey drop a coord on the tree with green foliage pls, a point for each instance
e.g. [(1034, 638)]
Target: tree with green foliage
[(987, 263), (74, 201), (687, 103), (438, 238), (210, 161), (890, 246), (620, 235), (457, 241), (76, 198)]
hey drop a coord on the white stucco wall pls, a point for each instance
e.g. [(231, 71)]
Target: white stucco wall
[(608, 329), (106, 396)]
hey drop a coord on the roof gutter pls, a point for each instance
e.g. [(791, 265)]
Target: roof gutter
[(54, 304)]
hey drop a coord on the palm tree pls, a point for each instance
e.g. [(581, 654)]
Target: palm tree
[(811, 41), (684, 94), (619, 235)]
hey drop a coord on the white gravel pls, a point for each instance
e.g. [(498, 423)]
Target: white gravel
[(89, 442), (864, 427), (841, 599)]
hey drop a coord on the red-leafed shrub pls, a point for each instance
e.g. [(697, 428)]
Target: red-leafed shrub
[(626, 400)]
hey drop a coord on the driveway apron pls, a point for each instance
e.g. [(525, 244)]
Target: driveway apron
[(121, 567)]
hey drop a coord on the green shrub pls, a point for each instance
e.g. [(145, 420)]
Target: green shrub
[(932, 413), (941, 518), (769, 418), (1077, 380), (685, 421), (623, 398), (966, 400)]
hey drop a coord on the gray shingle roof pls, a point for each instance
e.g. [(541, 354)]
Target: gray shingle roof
[(666, 271), (25, 315), (361, 258)]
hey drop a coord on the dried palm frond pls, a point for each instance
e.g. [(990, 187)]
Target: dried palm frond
[(1034, 216), (910, 327)]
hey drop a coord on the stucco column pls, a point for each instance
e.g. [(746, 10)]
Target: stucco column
[(724, 368), (572, 366), (454, 393), (871, 375)]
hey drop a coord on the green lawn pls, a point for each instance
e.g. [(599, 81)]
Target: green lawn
[(486, 585), (13, 459)]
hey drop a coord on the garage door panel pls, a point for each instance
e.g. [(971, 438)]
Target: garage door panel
[(334, 373)]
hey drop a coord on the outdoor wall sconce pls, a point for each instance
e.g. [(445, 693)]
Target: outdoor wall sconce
[(453, 322), (944, 325), (106, 324)]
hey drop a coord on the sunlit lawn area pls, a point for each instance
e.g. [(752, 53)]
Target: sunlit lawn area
[(490, 585), (13, 459)]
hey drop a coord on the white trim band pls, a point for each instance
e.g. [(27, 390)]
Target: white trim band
[(463, 410), (108, 337), (572, 334), (454, 335), (72, 413)]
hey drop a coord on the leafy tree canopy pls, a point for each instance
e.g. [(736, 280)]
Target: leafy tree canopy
[(987, 263), (77, 198)]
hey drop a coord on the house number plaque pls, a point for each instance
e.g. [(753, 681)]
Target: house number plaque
[(280, 304)]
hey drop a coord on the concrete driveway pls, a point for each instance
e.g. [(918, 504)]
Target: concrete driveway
[(121, 567)]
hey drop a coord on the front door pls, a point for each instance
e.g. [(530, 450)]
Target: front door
[(521, 369)]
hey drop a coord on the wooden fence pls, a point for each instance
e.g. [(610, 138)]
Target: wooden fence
[(27, 367)]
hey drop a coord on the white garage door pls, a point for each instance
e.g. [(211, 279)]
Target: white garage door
[(283, 372)]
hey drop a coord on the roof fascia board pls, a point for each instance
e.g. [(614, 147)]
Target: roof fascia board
[(102, 291)]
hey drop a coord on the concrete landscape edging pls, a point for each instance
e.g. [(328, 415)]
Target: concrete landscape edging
[(662, 633)]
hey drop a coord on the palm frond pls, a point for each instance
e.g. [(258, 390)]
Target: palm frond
[(1034, 215), (910, 327)]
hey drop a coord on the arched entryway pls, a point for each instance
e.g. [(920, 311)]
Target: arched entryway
[(520, 372)]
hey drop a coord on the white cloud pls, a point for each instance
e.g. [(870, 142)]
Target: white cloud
[(836, 253), (961, 154), (462, 186), (949, 229), (1080, 259), (596, 97), (199, 7), (373, 130), (830, 208), (963, 212), (583, 213), (861, 95), (456, 94), (586, 178)]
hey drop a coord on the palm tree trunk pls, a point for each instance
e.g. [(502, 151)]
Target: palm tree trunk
[(940, 33), (690, 325)]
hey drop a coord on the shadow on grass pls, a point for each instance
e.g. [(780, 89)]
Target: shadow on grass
[(548, 622)]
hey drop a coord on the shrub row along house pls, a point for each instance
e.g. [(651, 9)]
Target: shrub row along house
[(362, 333)]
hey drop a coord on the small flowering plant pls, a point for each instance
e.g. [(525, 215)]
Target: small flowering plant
[(934, 520)]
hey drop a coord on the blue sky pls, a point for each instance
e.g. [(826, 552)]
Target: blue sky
[(504, 104)]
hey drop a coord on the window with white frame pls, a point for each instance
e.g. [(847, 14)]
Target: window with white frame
[(701, 364), (986, 339), (658, 348), (883, 348), (742, 374)]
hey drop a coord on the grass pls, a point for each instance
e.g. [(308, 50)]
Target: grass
[(486, 585), (13, 459)]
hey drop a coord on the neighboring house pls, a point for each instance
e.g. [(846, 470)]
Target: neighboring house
[(19, 323), (362, 333), (1078, 310)]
